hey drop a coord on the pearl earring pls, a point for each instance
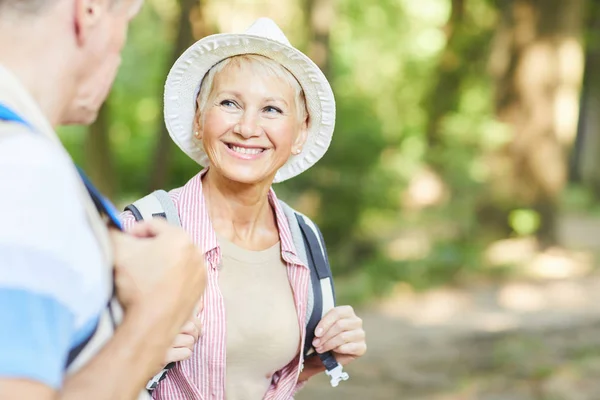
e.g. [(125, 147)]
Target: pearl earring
[(197, 134)]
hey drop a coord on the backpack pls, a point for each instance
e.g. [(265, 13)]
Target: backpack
[(310, 246)]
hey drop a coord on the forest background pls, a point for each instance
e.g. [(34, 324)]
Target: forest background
[(466, 149)]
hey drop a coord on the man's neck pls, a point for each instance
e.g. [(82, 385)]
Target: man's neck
[(39, 63)]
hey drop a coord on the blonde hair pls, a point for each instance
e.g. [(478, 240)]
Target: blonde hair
[(259, 65)]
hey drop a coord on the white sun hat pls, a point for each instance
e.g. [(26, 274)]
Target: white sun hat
[(266, 39)]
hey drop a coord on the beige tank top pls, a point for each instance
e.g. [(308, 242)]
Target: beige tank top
[(263, 334)]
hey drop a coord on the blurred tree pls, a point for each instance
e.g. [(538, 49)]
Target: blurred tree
[(447, 77), (98, 155), (421, 176), (536, 61), (319, 20), (585, 161), (164, 146)]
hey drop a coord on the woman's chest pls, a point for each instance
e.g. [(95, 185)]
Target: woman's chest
[(260, 311)]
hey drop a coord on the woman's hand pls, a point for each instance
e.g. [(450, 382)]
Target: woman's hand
[(183, 345), (340, 331)]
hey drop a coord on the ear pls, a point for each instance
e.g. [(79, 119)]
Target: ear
[(88, 14), (302, 136)]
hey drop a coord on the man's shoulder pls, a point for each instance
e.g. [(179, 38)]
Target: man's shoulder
[(32, 165), (40, 199), (20, 147)]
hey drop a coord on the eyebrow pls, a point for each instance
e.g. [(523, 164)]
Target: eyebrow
[(238, 95), (230, 92), (277, 99)]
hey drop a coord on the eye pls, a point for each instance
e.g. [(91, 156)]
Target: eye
[(228, 103), (271, 109)]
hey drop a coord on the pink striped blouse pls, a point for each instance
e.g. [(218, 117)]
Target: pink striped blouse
[(202, 376)]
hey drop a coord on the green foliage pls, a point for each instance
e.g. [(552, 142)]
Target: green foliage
[(524, 222), (397, 79)]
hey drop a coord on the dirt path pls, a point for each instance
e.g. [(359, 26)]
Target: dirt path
[(517, 341)]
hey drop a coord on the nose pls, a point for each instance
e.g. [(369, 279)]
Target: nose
[(247, 126)]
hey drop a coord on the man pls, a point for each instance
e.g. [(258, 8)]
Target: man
[(58, 336)]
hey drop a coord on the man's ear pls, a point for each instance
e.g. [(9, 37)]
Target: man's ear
[(88, 14)]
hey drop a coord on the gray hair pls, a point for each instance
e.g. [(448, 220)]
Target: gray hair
[(30, 7), (260, 65), (26, 6)]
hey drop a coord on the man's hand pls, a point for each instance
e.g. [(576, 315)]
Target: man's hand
[(159, 276), (157, 261)]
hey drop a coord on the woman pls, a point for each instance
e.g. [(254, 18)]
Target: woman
[(252, 110)]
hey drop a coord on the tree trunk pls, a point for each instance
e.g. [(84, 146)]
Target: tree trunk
[(585, 162), (98, 160), (161, 160), (449, 77), (537, 64), (319, 19)]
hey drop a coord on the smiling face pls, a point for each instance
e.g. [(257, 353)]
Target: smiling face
[(251, 118)]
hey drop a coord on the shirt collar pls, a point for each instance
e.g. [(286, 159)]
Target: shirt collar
[(288, 250), (194, 215), (14, 95), (195, 219)]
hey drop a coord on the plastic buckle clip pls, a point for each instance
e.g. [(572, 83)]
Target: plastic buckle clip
[(337, 375)]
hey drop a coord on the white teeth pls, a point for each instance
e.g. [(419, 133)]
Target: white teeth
[(244, 150)]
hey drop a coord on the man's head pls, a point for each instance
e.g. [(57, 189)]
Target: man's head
[(25, 6), (92, 33)]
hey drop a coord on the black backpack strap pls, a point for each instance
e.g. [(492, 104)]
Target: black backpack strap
[(318, 268), (324, 295), (317, 311), (316, 249)]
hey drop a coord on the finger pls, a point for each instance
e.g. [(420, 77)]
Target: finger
[(339, 326), (354, 336), (177, 354), (191, 328), (182, 340), (142, 229), (331, 317), (119, 238), (352, 349), (150, 228)]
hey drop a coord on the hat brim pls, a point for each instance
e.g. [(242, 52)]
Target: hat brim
[(183, 82)]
